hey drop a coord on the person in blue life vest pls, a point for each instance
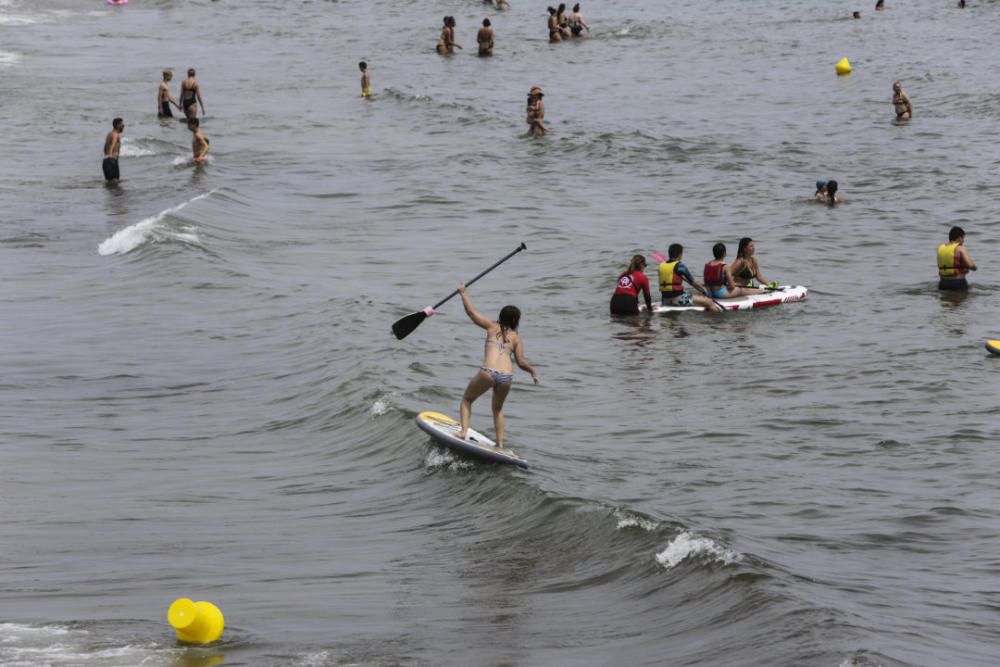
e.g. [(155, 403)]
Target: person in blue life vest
[(673, 274), (954, 262)]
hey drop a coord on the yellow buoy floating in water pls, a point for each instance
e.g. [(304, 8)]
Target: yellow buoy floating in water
[(196, 622), (843, 67), (993, 347)]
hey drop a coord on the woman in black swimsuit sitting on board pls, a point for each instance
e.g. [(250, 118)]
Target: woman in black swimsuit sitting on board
[(745, 268)]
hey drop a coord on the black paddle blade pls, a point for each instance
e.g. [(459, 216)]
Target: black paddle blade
[(404, 327)]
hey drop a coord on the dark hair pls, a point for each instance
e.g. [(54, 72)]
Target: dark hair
[(510, 317), (552, 10), (486, 23), (675, 250), (719, 250), (562, 7), (190, 71), (576, 7), (956, 233), (193, 121), (638, 263), (116, 122), (744, 242), (363, 65), (831, 190), (879, 3), (857, 15)]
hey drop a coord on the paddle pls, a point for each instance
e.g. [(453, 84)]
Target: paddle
[(405, 326), (662, 258)]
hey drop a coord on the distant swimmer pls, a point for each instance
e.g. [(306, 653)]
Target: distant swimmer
[(901, 101), (563, 21), (501, 4), (673, 274), (554, 33), (856, 15), (536, 112), (576, 22), (832, 198), (961, 4), (631, 283), (496, 373), (719, 278), (485, 39), (820, 190), (446, 43), (191, 96), (745, 269), (199, 142), (954, 262), (113, 146), (163, 99), (366, 80), (879, 5)]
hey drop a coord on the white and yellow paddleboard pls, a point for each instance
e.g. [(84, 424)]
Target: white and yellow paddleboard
[(444, 430), (993, 347)]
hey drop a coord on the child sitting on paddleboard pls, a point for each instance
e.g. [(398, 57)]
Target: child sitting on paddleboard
[(719, 279), (673, 274), (496, 373)]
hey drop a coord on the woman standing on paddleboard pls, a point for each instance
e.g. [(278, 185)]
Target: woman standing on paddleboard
[(496, 373)]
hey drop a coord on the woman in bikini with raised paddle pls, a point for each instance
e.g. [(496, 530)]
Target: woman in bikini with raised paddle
[(496, 373)]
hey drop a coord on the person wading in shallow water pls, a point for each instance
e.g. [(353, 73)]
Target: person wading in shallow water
[(954, 262), (496, 373), (536, 112), (112, 146)]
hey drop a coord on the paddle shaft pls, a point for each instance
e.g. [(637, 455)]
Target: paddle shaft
[(508, 256)]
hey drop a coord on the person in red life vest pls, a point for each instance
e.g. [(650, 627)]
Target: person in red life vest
[(673, 274), (719, 279), (954, 262), (625, 300)]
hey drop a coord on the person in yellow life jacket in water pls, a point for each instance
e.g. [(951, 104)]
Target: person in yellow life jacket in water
[(954, 262)]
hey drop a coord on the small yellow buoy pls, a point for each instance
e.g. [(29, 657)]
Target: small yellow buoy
[(843, 67), (195, 622)]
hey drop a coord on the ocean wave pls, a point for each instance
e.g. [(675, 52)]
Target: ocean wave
[(685, 546), (442, 458), (131, 149), (185, 160), (628, 519), (9, 58), (151, 229), (379, 408), (18, 19)]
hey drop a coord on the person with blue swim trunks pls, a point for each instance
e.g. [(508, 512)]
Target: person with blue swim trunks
[(719, 279), (496, 373)]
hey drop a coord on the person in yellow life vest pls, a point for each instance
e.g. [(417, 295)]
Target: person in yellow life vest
[(954, 262), (673, 275)]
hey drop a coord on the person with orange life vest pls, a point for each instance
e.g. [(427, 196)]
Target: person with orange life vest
[(625, 300), (719, 279), (954, 262), (673, 275)]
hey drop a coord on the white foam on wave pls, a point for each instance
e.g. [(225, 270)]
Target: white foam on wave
[(685, 546), (629, 520), (31, 645), (129, 149), (128, 239), (442, 458), (379, 408), (18, 19), (9, 58), (182, 160)]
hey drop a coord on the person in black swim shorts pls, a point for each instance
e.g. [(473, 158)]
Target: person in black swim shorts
[(163, 99), (112, 146)]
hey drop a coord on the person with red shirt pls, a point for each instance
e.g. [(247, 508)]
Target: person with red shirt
[(625, 300)]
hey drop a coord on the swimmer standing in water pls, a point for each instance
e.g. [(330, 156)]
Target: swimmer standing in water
[(191, 96), (199, 143), (901, 101), (112, 146), (576, 22), (536, 112), (366, 80), (163, 99), (954, 262), (496, 373), (446, 43), (485, 39)]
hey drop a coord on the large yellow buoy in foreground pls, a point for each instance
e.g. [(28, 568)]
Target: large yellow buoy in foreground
[(843, 67), (196, 622)]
